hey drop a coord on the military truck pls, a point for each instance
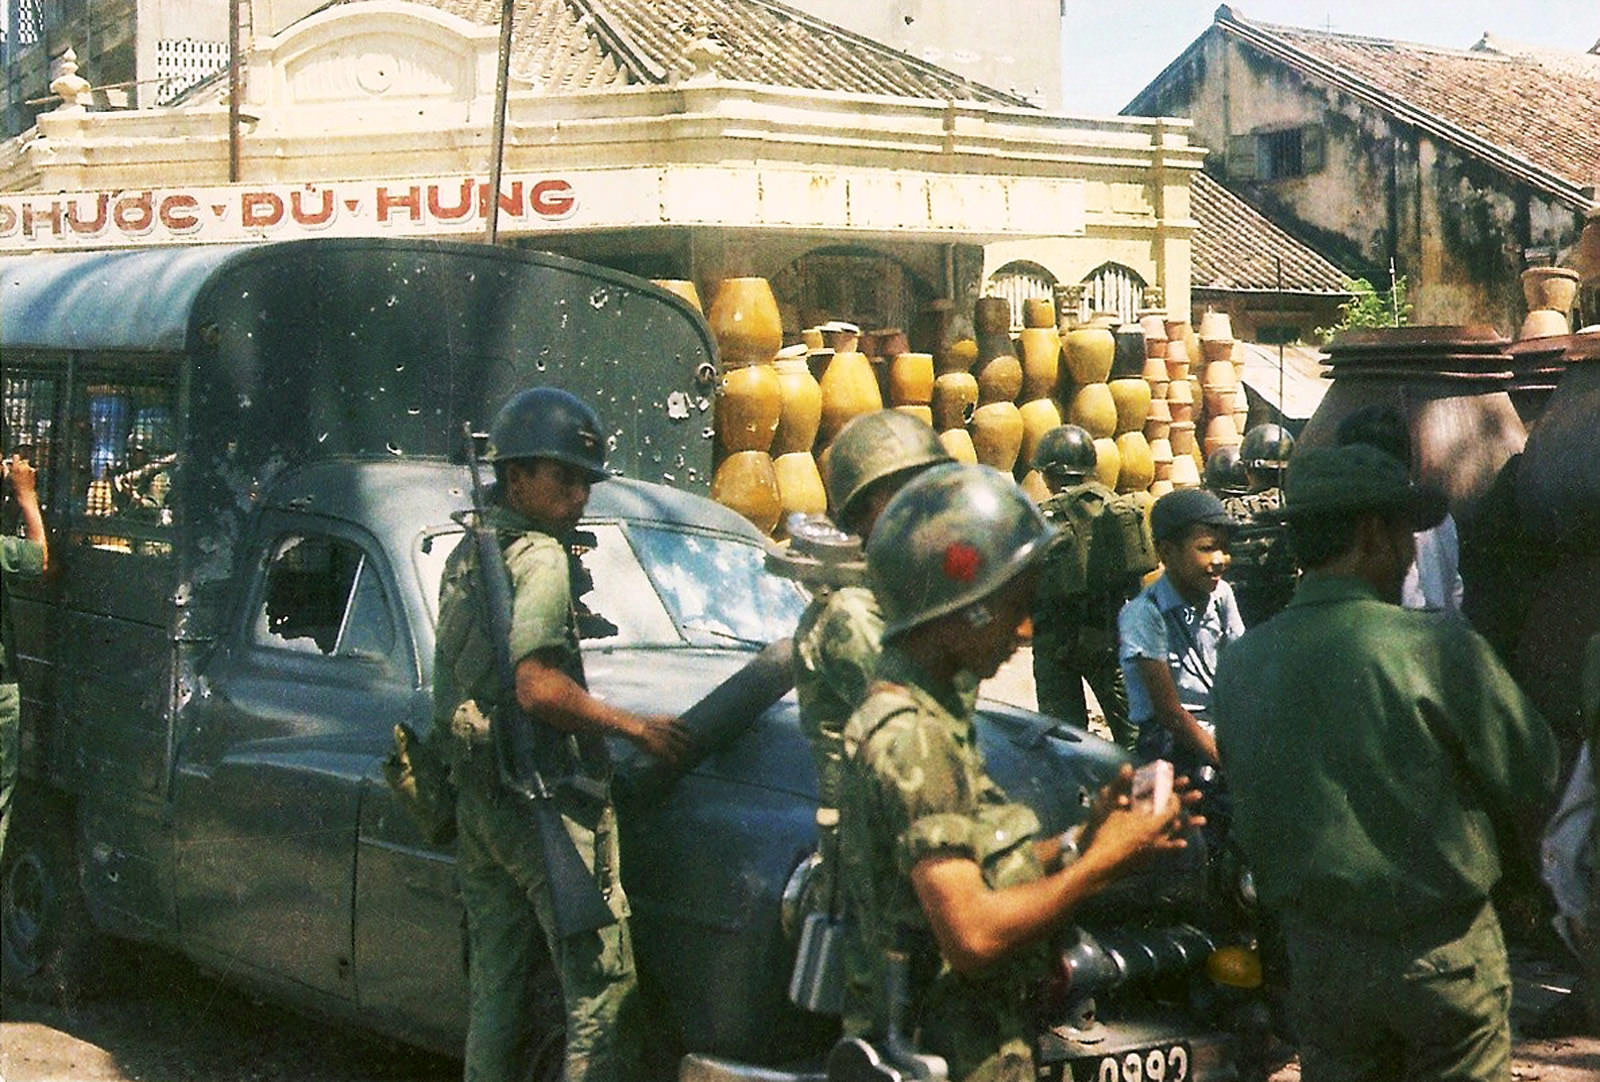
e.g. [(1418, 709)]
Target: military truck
[(252, 472)]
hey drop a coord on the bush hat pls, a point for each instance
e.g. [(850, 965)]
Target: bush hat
[(1178, 510), (1352, 479)]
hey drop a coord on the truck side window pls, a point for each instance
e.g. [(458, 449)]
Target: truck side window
[(323, 596), (122, 451)]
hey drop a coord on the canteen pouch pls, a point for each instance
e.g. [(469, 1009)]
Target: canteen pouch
[(420, 781), (817, 983)]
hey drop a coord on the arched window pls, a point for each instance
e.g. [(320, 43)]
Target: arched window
[(1111, 287), (1018, 281), (855, 284)]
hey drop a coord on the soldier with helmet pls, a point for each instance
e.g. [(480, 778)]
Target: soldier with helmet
[(1225, 474), (1263, 570), (952, 890), (1102, 550), (547, 450), (836, 643)]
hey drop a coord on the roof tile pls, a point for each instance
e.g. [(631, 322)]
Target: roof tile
[(1237, 248)]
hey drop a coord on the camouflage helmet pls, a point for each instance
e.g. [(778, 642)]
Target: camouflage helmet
[(874, 446), (1225, 470), (545, 422), (1266, 447), (1065, 451), (951, 537)]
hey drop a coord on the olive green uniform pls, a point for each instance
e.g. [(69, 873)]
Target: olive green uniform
[(836, 647), (1075, 620), (510, 927), (1261, 569), (914, 785), (17, 557), (1378, 757)]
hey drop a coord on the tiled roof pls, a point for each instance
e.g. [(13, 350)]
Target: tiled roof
[(1521, 110), (1236, 248), (577, 45)]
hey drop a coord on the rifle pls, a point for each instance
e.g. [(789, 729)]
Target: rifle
[(575, 897)]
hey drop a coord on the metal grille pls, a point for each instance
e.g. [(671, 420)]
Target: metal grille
[(1111, 287), (1019, 281), (183, 62)]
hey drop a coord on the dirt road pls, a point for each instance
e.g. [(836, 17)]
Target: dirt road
[(163, 1022)]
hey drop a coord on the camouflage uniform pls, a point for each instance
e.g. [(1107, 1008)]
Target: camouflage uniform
[(498, 860), (1262, 570), (17, 557), (1075, 627), (914, 785), (836, 647)]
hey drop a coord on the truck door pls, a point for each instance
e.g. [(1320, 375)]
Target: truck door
[(297, 707)]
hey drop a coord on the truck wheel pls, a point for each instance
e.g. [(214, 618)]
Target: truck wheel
[(46, 937)]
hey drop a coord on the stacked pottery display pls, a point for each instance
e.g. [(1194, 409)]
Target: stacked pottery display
[(1039, 344), (996, 424), (955, 398), (1181, 407), (799, 418), (749, 331), (1550, 293), (1219, 382)]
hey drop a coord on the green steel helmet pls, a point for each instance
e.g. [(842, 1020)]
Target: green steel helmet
[(1065, 451), (546, 422), (874, 446), (1266, 447), (951, 537), (1225, 470)]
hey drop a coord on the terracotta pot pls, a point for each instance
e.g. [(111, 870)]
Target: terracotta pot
[(960, 356), (1220, 401), (745, 320), (799, 484), (1161, 458), (1033, 484), (682, 287), (921, 413), (1177, 329), (841, 337), (801, 413), (1217, 349), (999, 380), (1180, 390), (818, 360), (1093, 409), (1241, 414), (1161, 486), (1155, 429), (958, 444), (1138, 468), (1544, 323), (749, 403), (849, 389), (1039, 416), (1132, 397), (1215, 325), (991, 315), (747, 482), (891, 342), (1107, 462), (1221, 432), (1041, 361), (1160, 410), (1550, 287), (1089, 353), (1219, 375), (955, 396), (1155, 374), (911, 379), (1154, 325), (1039, 312), (1177, 361), (1185, 472), (996, 430), (1181, 436), (812, 337)]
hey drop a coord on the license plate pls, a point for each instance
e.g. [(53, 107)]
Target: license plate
[(1162, 1063)]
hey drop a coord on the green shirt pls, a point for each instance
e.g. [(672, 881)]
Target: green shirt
[(17, 557), (914, 785), (543, 618), (1377, 757), (836, 647)]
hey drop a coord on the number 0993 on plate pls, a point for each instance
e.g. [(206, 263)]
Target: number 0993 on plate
[(1163, 1063)]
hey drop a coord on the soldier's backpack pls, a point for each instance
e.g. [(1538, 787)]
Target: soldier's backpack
[(1105, 541)]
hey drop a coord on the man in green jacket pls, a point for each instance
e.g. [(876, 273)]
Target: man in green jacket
[(1380, 761)]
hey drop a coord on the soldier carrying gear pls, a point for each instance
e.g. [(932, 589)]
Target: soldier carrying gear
[(837, 641), (547, 451), (1263, 571), (1104, 549), (939, 867)]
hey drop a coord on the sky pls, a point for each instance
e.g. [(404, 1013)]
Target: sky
[(1112, 49)]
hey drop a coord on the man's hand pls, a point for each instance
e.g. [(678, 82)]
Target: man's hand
[(23, 477), (1136, 834), (663, 736)]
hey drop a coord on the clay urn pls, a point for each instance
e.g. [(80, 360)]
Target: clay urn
[(1093, 409), (1137, 466), (800, 414), (745, 321), (799, 484), (991, 315), (1089, 351), (1132, 397), (1041, 361), (911, 379), (1107, 462), (958, 443), (955, 396), (1550, 287), (680, 287), (748, 405), (1039, 312), (1039, 416), (996, 430), (999, 379), (849, 388), (747, 482)]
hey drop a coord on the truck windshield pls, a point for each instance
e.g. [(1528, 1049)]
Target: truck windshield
[(658, 586)]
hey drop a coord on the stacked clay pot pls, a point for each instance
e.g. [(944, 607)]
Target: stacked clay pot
[(744, 319), (910, 381), (1219, 381), (849, 388), (1039, 344), (799, 481), (1550, 293), (1185, 404)]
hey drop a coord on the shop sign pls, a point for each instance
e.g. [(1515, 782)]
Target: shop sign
[(951, 206)]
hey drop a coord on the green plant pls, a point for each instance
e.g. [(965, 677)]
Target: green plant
[(1369, 306)]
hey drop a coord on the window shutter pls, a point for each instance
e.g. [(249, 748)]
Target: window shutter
[(1242, 157), (1313, 152)]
